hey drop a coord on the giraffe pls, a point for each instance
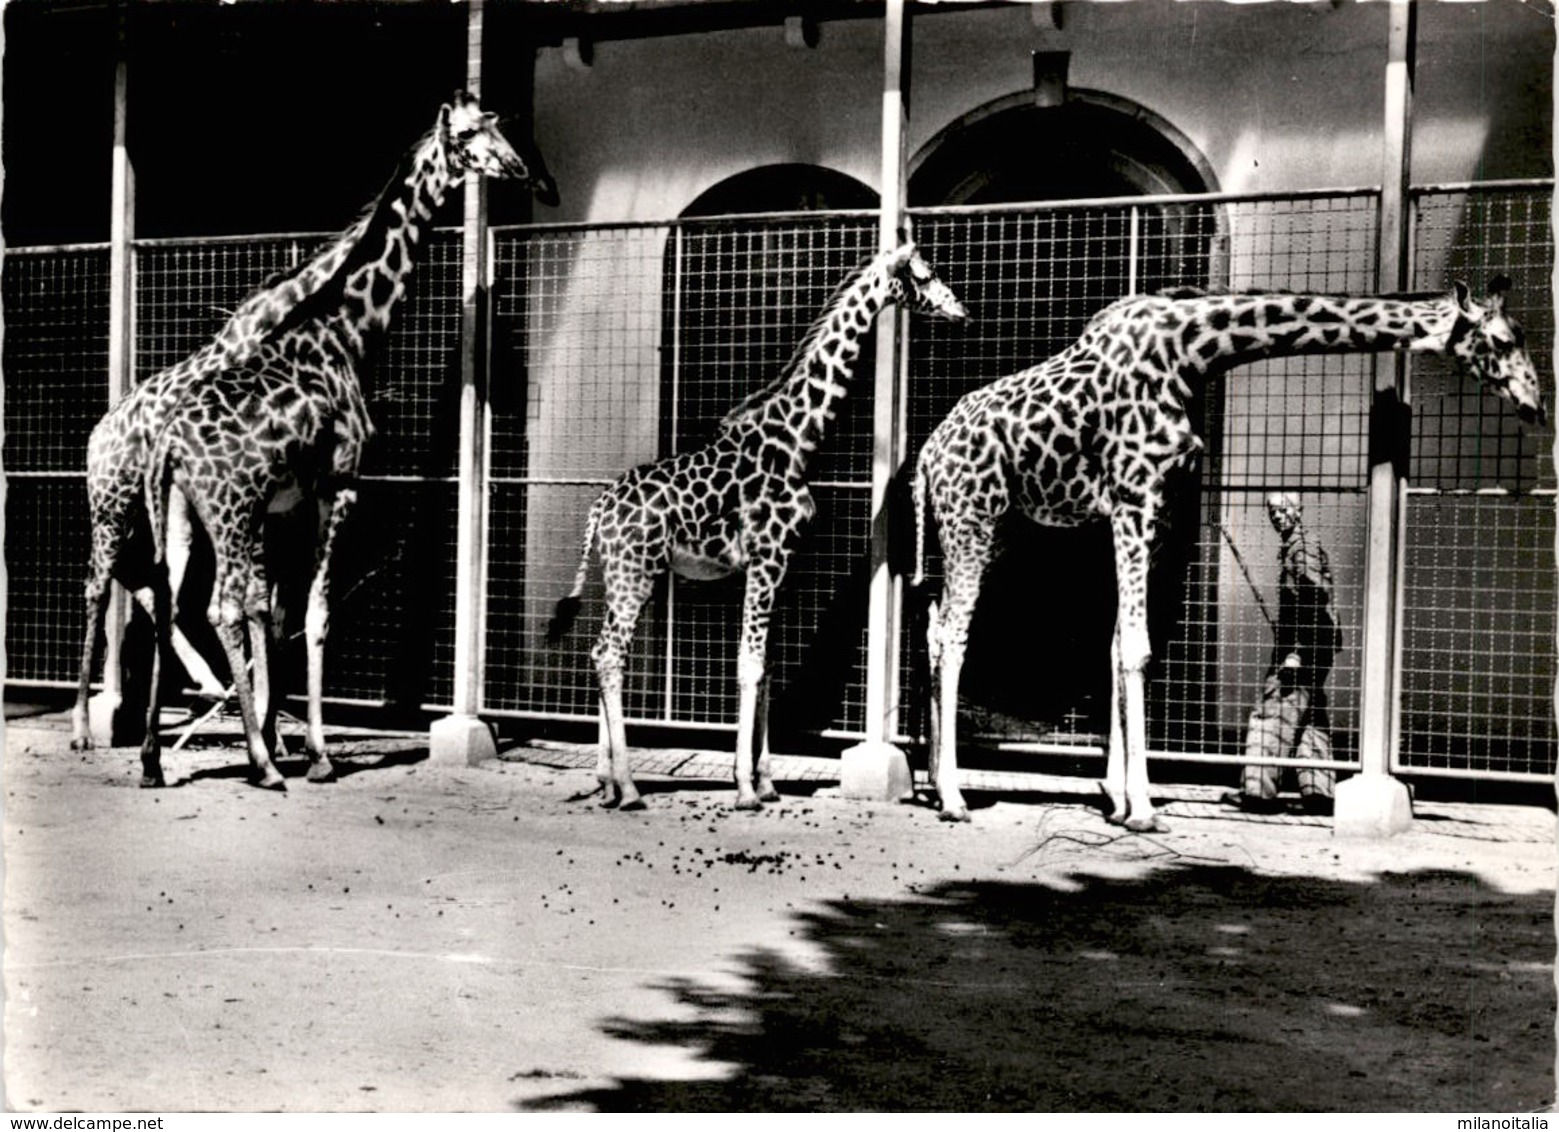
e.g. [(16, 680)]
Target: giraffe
[(1095, 432), (738, 504), (118, 450), (285, 426)]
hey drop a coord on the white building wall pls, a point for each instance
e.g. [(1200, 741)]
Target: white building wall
[(1277, 96)]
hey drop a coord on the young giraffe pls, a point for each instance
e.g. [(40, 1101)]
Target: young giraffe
[(287, 426), (739, 503), (1094, 433)]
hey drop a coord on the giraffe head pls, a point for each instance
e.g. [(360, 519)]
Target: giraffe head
[(915, 286), (473, 143), (1490, 345)]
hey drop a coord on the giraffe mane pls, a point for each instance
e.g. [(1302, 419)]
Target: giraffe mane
[(1192, 293), (326, 294), (803, 348), (1281, 292)]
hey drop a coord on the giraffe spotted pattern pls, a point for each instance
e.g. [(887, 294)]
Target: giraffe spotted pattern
[(738, 504), (1097, 432), (271, 417)]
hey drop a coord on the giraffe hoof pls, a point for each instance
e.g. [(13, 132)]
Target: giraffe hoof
[(1149, 824), (961, 813), (1117, 810), (769, 795), (751, 804), (630, 805), (322, 771), (152, 782), (271, 781), (82, 744), (610, 803)]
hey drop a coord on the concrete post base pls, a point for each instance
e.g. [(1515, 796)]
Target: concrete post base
[(876, 772), (1372, 805), (460, 740)]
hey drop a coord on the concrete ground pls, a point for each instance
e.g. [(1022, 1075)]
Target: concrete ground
[(426, 937)]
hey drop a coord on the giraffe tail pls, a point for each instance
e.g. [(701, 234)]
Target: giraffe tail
[(918, 494), (567, 611), (155, 485)]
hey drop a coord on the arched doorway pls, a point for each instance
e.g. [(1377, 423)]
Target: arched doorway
[(1093, 145), (1099, 170), (741, 285), (788, 187)]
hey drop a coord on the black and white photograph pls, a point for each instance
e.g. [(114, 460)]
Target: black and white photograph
[(853, 556)]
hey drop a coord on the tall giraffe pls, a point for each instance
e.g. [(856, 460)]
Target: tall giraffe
[(1094, 433), (740, 503), (119, 447), (286, 425)]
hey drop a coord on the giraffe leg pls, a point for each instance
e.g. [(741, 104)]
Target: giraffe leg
[(1114, 784), (627, 589), (151, 742), (1131, 651), (180, 537), (189, 656), (764, 780), (934, 712), (261, 636), (228, 615), (763, 579), (954, 629), (969, 550), (316, 624), (96, 601), (603, 753), (618, 786), (110, 533)]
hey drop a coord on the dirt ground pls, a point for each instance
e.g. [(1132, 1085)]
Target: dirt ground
[(423, 937)]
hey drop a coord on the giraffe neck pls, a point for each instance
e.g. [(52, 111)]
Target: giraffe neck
[(354, 284), (1229, 330), (798, 405)]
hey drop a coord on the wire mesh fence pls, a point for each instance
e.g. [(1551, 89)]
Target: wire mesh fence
[(56, 366), (614, 345), (623, 346), (1033, 277), (1478, 614), (393, 579)]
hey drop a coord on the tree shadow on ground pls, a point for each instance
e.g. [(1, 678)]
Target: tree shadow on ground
[(1195, 988)]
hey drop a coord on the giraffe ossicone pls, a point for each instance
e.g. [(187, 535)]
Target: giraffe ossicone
[(1095, 433), (738, 504), (269, 416)]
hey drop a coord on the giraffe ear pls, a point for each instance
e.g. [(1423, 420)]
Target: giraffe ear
[(1498, 286), (1462, 293)]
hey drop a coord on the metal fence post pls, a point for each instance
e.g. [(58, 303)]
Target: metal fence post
[(461, 736), (875, 768), (104, 714), (1373, 804)]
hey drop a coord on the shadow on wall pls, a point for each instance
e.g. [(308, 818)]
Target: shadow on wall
[(1196, 988)]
